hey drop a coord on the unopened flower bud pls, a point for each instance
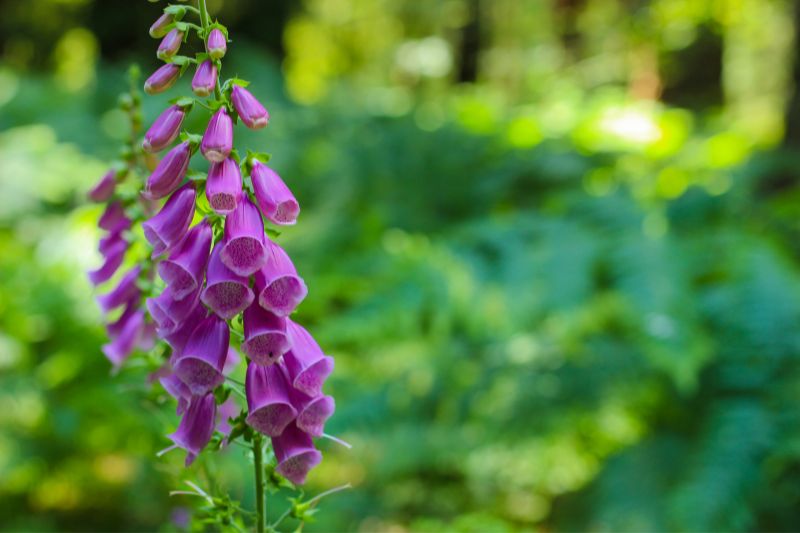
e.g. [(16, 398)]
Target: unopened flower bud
[(218, 138), (216, 46), (164, 130), (170, 44), (159, 27), (162, 79), (253, 114), (205, 78)]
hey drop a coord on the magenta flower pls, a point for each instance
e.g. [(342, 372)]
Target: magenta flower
[(296, 454), (226, 293), (196, 427), (113, 259), (107, 243), (218, 139), (269, 407), (162, 79), (177, 389), (216, 45), (114, 328), (170, 313), (205, 79), (308, 367), (245, 249), (121, 347), (124, 292), (183, 271), (164, 130), (224, 186), (200, 363), (275, 199), (170, 44), (159, 27), (312, 413), (253, 114), (103, 189), (166, 228), (278, 286), (113, 218), (265, 336), (179, 336), (169, 172)]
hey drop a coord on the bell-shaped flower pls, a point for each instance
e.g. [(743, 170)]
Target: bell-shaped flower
[(169, 172), (179, 336), (269, 405), (226, 293), (103, 189), (265, 339), (167, 227), (162, 79), (113, 259), (312, 412), (217, 141), (278, 286), (205, 78), (121, 347), (245, 249), (147, 340), (295, 453), (196, 427), (224, 186), (177, 389), (114, 328), (308, 367), (184, 269), (253, 114), (125, 291), (161, 26), (110, 242), (216, 44), (168, 312), (275, 199), (113, 217), (164, 130), (200, 363), (170, 44)]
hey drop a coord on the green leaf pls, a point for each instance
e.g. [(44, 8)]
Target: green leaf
[(182, 61), (183, 101), (177, 12)]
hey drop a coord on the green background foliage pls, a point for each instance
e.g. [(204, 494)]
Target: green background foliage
[(552, 246)]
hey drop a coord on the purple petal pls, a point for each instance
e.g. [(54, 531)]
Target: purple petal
[(308, 367), (164, 130), (159, 27), (218, 139), (253, 114), (120, 348), (279, 288), (201, 361), (245, 249), (103, 189), (296, 454), (179, 336), (170, 44), (124, 292), (162, 79), (165, 229), (224, 186), (114, 256), (216, 45), (269, 406), (205, 79), (196, 427), (183, 271), (265, 336), (170, 313), (312, 412), (169, 172), (275, 199), (226, 293)]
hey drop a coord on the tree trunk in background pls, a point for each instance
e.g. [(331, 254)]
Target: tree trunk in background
[(470, 44), (792, 137)]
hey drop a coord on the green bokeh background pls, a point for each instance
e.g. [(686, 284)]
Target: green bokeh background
[(552, 245)]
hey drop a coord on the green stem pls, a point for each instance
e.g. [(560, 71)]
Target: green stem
[(258, 464), (204, 20), (201, 6)]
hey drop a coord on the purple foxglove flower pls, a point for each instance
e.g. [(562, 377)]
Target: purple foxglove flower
[(170, 313), (269, 406), (118, 350), (312, 413), (196, 427), (170, 44), (205, 78), (231, 362), (216, 45), (159, 27), (217, 141), (179, 336), (170, 171), (164, 130), (296, 454), (109, 242), (183, 271), (123, 293), (226, 293), (278, 286), (113, 259), (104, 188), (265, 336), (162, 79), (308, 367), (114, 328), (253, 114), (224, 186), (147, 340), (112, 217), (274, 197), (201, 361), (166, 229), (245, 249), (177, 389)]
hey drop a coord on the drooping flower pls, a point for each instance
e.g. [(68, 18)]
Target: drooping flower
[(296, 454), (278, 286), (205, 78), (113, 217), (177, 389), (216, 45), (125, 291), (200, 363), (226, 293), (164, 130), (170, 171), (196, 427), (269, 405), (170, 44), (308, 366), (168, 312), (183, 270), (104, 188), (109, 242), (120, 348), (245, 249), (179, 336), (265, 336), (224, 186), (217, 141), (162, 79), (253, 114), (166, 228), (275, 199), (160, 26), (312, 412), (113, 259)]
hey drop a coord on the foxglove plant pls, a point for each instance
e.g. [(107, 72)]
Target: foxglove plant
[(212, 283)]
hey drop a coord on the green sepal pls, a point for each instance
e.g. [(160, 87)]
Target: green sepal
[(222, 393), (273, 233), (196, 175), (235, 155), (185, 102), (177, 12), (220, 27), (199, 57), (193, 139), (181, 61)]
